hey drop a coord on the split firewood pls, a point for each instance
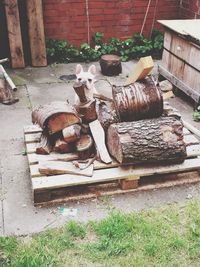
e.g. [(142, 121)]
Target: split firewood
[(63, 147), (84, 146), (71, 133), (87, 111), (141, 70), (60, 167), (106, 115), (140, 100), (99, 139), (80, 91), (55, 116), (151, 140), (44, 147)]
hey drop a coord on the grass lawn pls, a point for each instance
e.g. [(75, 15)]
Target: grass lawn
[(169, 236)]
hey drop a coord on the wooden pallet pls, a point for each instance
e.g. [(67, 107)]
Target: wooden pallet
[(107, 179)]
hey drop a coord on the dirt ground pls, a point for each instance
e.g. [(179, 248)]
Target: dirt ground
[(17, 214)]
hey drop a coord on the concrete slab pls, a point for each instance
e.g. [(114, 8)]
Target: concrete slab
[(31, 75)]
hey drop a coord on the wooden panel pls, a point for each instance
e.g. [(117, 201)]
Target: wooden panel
[(36, 32), (192, 77), (179, 84), (188, 28), (107, 175), (14, 34)]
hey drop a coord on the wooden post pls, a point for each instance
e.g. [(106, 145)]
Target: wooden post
[(14, 34), (36, 33)]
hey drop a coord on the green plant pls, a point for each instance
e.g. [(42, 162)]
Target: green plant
[(196, 114), (136, 47)]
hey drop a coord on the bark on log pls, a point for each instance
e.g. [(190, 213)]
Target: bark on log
[(71, 133), (140, 100), (63, 147), (110, 65), (151, 140), (87, 111), (85, 146), (55, 116), (106, 115)]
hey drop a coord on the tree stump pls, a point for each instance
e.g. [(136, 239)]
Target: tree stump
[(151, 140), (140, 100), (110, 65)]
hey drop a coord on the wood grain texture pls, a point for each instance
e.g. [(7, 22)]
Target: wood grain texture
[(36, 33), (14, 34)]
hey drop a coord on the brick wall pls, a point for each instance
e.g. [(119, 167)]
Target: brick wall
[(190, 9), (78, 20)]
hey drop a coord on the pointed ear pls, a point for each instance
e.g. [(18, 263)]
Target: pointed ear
[(92, 69), (79, 68)]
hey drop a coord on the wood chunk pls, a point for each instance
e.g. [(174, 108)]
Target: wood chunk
[(36, 33), (71, 133), (63, 147), (166, 86), (55, 116), (87, 111), (126, 184), (99, 139), (84, 146), (152, 140), (110, 65), (141, 70), (44, 147), (59, 167), (14, 33), (140, 100), (80, 91), (106, 115)]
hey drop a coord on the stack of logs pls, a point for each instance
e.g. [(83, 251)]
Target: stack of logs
[(135, 130)]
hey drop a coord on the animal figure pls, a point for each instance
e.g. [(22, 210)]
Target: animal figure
[(88, 79)]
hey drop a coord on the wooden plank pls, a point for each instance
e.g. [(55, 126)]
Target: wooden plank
[(107, 175), (60, 167), (179, 84), (193, 151), (35, 158), (34, 168), (36, 33), (141, 69), (99, 139), (32, 138), (190, 127), (31, 148), (14, 33), (190, 139), (29, 129)]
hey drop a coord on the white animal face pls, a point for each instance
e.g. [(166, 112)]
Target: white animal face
[(86, 77)]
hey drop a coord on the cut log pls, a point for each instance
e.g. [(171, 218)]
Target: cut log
[(36, 33), (87, 111), (106, 115), (141, 70), (84, 146), (151, 140), (55, 116), (140, 100), (14, 33), (71, 133), (99, 139), (110, 65), (59, 167), (63, 147), (45, 145), (80, 91)]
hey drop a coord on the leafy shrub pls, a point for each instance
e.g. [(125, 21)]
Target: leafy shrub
[(138, 46)]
